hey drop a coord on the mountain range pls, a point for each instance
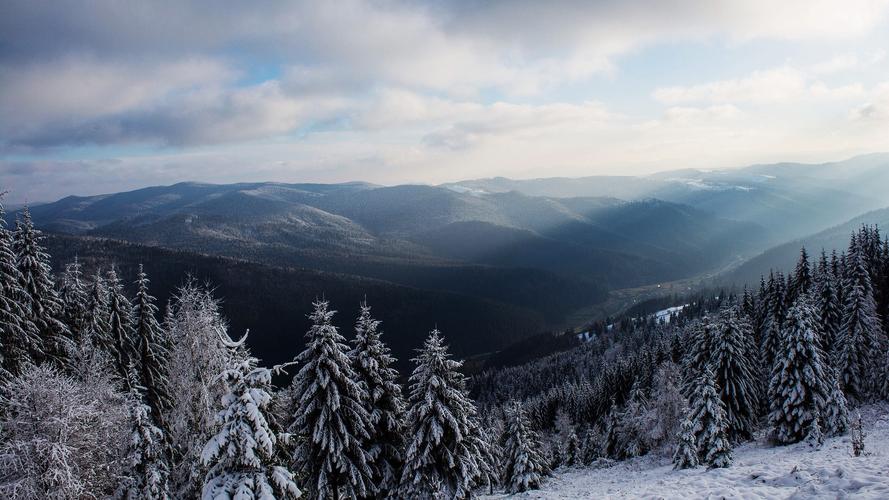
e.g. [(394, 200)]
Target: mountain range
[(540, 248)]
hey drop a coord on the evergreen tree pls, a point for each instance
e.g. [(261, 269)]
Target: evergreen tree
[(98, 328), (148, 475), (572, 449), (836, 412), (801, 281), (42, 303), (329, 417), (445, 454), (524, 467), (591, 448), (610, 443), (735, 374), (198, 355), (19, 339), (774, 321), (73, 294), (799, 384), (710, 423), (153, 355), (241, 456), (686, 455), (861, 330), (122, 348), (858, 435), (385, 404), (700, 341), (830, 311)]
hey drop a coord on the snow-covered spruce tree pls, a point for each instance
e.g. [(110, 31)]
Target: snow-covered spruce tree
[(799, 384), (74, 295), (686, 456), (122, 348), (524, 466), (152, 351), (147, 477), (699, 338), (860, 333), (835, 414), (329, 418), (735, 372), (801, 281), (241, 456), (591, 446), (667, 408), (610, 444), (830, 310), (385, 404), (62, 438), (446, 454), (857, 432), (771, 333), (98, 328), (572, 450), (707, 411), (41, 301), (198, 356), (18, 336), (634, 424)]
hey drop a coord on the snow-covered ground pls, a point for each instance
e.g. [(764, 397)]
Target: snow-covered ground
[(759, 471)]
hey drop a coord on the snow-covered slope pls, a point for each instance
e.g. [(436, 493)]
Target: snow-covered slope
[(759, 471)]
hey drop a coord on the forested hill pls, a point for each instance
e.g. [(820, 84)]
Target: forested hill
[(273, 302)]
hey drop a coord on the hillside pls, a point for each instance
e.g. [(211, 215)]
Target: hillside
[(759, 471), (785, 256), (554, 256), (273, 302)]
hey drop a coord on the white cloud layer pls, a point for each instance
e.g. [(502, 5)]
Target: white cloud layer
[(392, 91)]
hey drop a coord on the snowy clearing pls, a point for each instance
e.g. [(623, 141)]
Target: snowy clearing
[(759, 471)]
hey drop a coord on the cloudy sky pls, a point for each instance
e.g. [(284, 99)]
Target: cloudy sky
[(100, 96)]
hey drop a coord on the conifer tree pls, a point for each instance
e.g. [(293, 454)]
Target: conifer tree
[(857, 432), (572, 449), (611, 430), (801, 281), (799, 385), (153, 355), (148, 474), (385, 404), (710, 423), (122, 348), (524, 465), (735, 374), (591, 448), (686, 455), (19, 338), (241, 456), (198, 355), (42, 303), (836, 412), (329, 417), (73, 294), (98, 327), (700, 341), (774, 321), (830, 310), (861, 331), (445, 454)]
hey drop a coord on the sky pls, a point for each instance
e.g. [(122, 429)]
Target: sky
[(102, 96)]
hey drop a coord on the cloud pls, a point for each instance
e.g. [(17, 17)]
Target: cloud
[(417, 90), (780, 85)]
